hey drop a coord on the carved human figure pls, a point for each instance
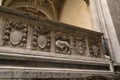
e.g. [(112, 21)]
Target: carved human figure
[(95, 50), (80, 47)]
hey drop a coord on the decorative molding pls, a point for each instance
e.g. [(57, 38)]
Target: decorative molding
[(49, 36), (39, 58), (98, 78)]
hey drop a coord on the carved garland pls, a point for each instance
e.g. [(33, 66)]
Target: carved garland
[(15, 33), (41, 39)]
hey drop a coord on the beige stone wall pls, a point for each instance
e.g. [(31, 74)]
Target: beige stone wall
[(114, 7), (76, 12)]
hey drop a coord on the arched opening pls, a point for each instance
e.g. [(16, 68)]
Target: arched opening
[(39, 8), (67, 11), (32, 10)]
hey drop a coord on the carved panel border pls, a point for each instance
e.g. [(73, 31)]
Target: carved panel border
[(46, 37)]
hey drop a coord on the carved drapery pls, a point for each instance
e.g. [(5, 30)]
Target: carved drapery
[(16, 33)]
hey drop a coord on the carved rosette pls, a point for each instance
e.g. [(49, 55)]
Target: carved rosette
[(79, 44), (95, 46), (62, 43), (15, 33), (41, 39)]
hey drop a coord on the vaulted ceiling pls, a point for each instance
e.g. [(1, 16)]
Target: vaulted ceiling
[(45, 8)]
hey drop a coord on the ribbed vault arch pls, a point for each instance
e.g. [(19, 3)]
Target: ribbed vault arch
[(35, 8)]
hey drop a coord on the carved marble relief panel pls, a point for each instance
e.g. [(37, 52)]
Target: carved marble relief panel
[(79, 45), (62, 43), (15, 33), (41, 37), (95, 46)]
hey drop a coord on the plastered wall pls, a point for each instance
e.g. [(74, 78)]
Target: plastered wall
[(76, 12)]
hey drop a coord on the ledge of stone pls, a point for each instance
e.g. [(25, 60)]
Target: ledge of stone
[(20, 54), (27, 72)]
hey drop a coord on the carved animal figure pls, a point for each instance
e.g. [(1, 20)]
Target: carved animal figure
[(63, 45)]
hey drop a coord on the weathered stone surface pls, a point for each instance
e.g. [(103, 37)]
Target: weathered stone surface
[(15, 37), (42, 41), (42, 60), (29, 72)]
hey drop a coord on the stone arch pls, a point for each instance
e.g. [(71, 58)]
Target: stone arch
[(35, 8)]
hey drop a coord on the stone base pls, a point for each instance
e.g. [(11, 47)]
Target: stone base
[(32, 72)]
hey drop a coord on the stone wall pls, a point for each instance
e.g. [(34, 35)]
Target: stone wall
[(41, 48), (76, 13), (114, 6)]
